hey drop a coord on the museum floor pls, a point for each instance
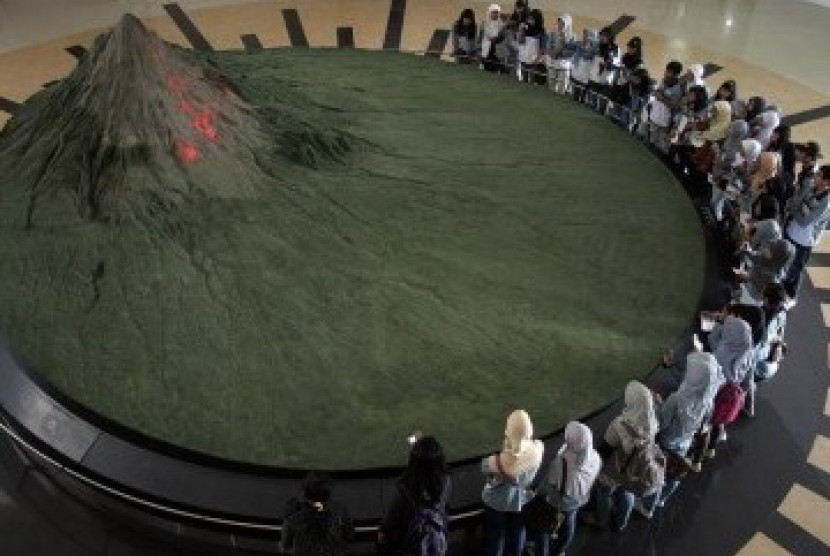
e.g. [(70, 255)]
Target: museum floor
[(768, 493)]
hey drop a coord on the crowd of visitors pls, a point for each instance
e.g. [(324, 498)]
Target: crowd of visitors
[(765, 200)]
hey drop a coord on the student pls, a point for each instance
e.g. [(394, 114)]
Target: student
[(464, 37), (694, 78), (561, 49), (763, 127), (680, 416), (754, 107), (604, 70), (621, 91), (808, 215), (668, 100), (731, 344), (521, 11), (490, 35), (531, 49), (764, 227), (634, 428), (781, 142), (772, 349), (420, 497), (766, 267), (569, 486), (316, 526), (584, 54), (509, 474)]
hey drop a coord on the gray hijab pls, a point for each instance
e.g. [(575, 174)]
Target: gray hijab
[(734, 350), (700, 384)]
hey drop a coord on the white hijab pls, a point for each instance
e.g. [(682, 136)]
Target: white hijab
[(521, 452), (583, 462), (766, 122)]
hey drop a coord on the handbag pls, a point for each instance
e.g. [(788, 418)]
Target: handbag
[(539, 515)]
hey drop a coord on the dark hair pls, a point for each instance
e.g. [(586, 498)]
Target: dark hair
[(645, 85), (775, 295), (674, 67), (425, 477), (317, 487), (467, 13), (767, 207), (608, 33), (784, 133), (825, 172), (731, 87), (753, 316), (635, 43), (701, 97), (810, 149), (538, 19)]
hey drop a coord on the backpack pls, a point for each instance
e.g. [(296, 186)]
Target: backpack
[(426, 534), (642, 472), (728, 403)]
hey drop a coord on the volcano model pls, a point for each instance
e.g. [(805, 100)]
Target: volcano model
[(139, 127), (296, 257)]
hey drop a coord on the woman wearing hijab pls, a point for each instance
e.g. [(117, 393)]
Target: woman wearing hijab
[(425, 484), (464, 36), (767, 266), (509, 474), (569, 485), (561, 49), (754, 107), (681, 415), (731, 344), (490, 35), (635, 427)]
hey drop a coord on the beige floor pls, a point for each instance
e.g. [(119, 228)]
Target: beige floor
[(777, 48)]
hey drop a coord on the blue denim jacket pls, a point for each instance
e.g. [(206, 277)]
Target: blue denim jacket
[(503, 495)]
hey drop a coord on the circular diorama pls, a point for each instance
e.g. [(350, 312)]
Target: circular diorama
[(296, 257)]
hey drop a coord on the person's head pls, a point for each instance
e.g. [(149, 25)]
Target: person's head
[(673, 71), (766, 208), (697, 98), (634, 46), (606, 35), (521, 7), (467, 17), (536, 19), (728, 90), (578, 437), (427, 469), (774, 296), (822, 180), (589, 37), (754, 106), (781, 135), (494, 11), (518, 431), (807, 153), (317, 488), (694, 73)]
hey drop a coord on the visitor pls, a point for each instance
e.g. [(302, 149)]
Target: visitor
[(316, 526), (633, 430), (808, 214), (764, 125), (728, 91), (509, 474), (621, 89), (781, 143), (521, 11), (417, 512), (772, 348), (532, 44), (694, 78), (490, 36), (584, 55), (604, 70), (561, 48), (763, 227), (667, 103), (754, 106), (681, 416), (568, 488), (731, 343), (464, 37)]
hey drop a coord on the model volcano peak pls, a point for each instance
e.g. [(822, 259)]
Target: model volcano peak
[(137, 128)]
